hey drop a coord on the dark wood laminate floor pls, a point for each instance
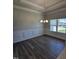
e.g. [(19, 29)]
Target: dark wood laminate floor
[(42, 47)]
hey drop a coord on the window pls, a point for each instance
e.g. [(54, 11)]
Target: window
[(53, 24), (58, 25), (62, 25)]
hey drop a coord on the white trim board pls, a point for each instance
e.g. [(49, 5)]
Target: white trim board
[(32, 4), (52, 12), (25, 9), (55, 6)]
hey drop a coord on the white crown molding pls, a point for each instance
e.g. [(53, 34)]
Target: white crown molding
[(56, 11), (55, 6), (32, 4), (42, 9), (25, 9)]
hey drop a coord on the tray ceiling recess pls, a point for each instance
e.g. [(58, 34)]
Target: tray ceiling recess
[(40, 5)]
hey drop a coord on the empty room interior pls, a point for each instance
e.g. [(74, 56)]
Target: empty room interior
[(39, 29)]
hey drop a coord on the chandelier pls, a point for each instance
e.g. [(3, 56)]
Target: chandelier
[(44, 19)]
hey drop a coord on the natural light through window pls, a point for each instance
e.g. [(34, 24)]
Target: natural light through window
[(53, 25), (58, 25)]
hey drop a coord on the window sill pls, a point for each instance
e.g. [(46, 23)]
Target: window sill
[(57, 32)]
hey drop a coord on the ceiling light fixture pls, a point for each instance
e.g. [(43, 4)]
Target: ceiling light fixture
[(44, 20)]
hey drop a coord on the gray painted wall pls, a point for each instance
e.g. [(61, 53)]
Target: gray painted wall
[(26, 25)]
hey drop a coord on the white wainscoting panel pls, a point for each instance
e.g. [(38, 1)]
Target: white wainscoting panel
[(21, 35)]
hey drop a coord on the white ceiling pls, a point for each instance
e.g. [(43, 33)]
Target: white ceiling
[(46, 3), (41, 5)]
